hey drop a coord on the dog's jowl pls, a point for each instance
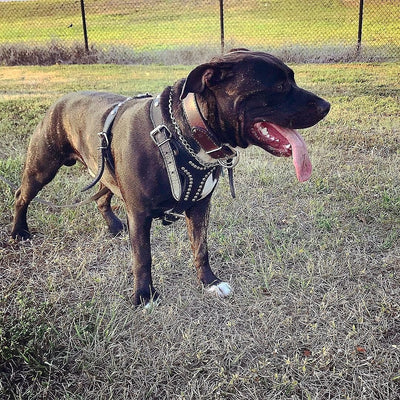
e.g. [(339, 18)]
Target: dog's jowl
[(163, 155)]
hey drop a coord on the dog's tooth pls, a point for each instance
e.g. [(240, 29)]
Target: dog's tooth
[(287, 146)]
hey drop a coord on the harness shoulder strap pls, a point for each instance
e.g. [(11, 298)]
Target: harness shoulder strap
[(105, 141)]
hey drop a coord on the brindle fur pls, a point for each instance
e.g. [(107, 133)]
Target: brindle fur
[(229, 90)]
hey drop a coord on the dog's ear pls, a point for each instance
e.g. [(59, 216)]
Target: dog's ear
[(197, 79), (205, 75)]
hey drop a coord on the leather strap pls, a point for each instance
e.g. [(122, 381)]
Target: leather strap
[(161, 137), (203, 135), (105, 141)]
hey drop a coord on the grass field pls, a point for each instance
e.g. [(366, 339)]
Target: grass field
[(315, 266), (176, 24)]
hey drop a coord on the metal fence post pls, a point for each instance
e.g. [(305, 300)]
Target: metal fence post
[(360, 25), (85, 36), (221, 19)]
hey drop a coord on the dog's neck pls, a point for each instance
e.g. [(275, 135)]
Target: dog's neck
[(211, 147)]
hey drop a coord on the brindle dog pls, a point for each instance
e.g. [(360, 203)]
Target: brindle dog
[(239, 99)]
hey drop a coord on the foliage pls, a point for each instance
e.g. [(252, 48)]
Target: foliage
[(127, 32)]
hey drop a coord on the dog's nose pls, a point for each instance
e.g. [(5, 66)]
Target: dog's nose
[(323, 108)]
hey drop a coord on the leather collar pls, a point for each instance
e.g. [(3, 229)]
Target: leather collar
[(201, 133)]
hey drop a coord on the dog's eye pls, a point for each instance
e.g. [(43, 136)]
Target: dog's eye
[(279, 88), (227, 75)]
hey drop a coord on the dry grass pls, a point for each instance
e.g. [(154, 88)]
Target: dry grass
[(315, 268), (57, 52)]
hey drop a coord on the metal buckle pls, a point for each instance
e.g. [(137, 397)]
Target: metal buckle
[(214, 150), (173, 214), (227, 158), (159, 129), (103, 136), (169, 217)]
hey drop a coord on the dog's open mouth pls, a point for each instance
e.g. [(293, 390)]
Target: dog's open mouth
[(283, 142)]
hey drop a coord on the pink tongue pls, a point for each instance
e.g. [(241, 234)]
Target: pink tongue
[(301, 160)]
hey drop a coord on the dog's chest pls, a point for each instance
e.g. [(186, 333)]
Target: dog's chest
[(196, 181)]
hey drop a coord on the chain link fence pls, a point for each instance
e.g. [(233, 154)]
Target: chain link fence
[(188, 31)]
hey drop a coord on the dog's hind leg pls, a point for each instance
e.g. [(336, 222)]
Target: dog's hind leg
[(114, 224), (38, 171), (197, 224), (48, 150)]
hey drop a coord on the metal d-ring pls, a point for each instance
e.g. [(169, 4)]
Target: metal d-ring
[(230, 162)]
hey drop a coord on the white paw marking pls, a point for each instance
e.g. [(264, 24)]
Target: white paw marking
[(151, 305), (221, 290)]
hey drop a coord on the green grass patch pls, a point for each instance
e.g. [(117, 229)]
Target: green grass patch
[(329, 27)]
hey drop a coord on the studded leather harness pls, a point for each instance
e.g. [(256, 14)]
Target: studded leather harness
[(191, 179)]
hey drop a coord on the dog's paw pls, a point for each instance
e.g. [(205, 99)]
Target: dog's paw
[(146, 299), (221, 290), (117, 227), (21, 234)]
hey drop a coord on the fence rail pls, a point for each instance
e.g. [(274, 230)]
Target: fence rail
[(171, 31)]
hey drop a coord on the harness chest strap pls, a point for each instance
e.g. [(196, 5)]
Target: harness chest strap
[(190, 181), (161, 137)]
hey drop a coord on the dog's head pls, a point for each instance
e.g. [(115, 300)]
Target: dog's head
[(252, 98)]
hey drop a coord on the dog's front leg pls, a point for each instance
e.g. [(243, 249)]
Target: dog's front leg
[(139, 234), (197, 224)]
